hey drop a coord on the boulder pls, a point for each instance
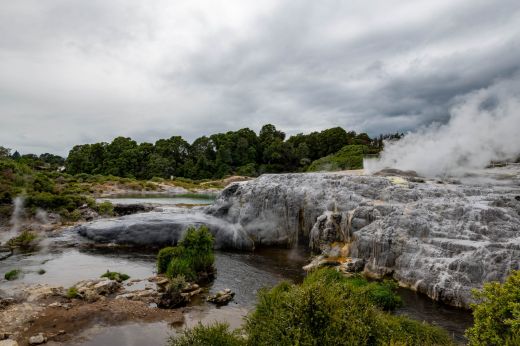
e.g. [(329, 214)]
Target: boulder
[(8, 342), (37, 339), (222, 297)]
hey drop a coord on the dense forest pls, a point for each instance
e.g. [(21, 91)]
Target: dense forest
[(241, 152)]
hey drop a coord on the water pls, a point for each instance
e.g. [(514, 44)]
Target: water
[(161, 199), (245, 273)]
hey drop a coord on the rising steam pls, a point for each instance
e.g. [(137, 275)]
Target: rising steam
[(484, 127)]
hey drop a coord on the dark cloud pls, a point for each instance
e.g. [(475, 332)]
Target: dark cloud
[(76, 71)]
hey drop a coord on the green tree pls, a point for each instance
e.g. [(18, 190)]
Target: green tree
[(497, 313)]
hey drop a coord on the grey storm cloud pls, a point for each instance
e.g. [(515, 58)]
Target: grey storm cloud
[(83, 71)]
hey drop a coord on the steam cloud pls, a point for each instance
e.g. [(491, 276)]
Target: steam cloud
[(484, 126)]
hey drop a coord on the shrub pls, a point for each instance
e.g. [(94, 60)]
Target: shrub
[(193, 255), (41, 271), (119, 277), (164, 257), (24, 241), (105, 208), (12, 274), (181, 266), (348, 157), (497, 313), (326, 309), (217, 334), (329, 310)]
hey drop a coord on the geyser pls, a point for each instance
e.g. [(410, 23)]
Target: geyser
[(484, 126)]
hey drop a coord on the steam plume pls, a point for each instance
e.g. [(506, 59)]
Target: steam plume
[(484, 126)]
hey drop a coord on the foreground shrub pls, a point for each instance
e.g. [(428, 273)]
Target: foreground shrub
[(12, 274), (326, 309), (217, 334), (119, 277), (497, 313), (329, 310), (193, 255)]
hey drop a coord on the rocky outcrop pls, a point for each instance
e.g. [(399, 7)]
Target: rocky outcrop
[(436, 237), (163, 228), (442, 238)]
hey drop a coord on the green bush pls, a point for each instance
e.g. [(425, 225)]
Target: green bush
[(328, 310), (165, 256), (105, 208), (25, 240), (12, 274), (193, 255), (181, 266), (217, 334), (349, 157), (119, 277), (497, 313)]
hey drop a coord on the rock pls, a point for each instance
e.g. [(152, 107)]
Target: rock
[(440, 239), (8, 342), (329, 228), (222, 297), (93, 290), (5, 302), (163, 228), (37, 339), (39, 292), (352, 265)]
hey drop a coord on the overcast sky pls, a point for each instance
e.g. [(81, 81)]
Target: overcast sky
[(76, 72)]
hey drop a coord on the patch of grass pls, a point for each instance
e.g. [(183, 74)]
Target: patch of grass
[(349, 157), (105, 208), (24, 240), (217, 334), (12, 274), (72, 293), (119, 277)]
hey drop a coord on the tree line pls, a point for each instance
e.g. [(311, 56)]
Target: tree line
[(240, 152)]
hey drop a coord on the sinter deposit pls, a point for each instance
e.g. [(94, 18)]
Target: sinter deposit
[(441, 238)]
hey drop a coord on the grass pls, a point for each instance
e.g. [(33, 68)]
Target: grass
[(217, 334), (12, 274), (24, 240), (72, 293), (119, 277)]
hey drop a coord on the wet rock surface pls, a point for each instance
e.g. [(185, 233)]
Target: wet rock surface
[(163, 228), (221, 297), (441, 239)]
